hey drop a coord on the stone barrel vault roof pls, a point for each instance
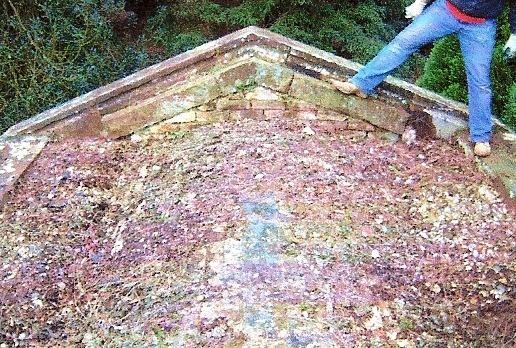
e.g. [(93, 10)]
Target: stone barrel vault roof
[(278, 75)]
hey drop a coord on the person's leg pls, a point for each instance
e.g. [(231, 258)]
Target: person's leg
[(477, 44), (435, 22)]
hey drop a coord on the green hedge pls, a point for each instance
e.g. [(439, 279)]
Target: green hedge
[(355, 28), (58, 50)]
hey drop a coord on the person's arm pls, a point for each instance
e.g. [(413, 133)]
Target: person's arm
[(509, 50), (415, 8)]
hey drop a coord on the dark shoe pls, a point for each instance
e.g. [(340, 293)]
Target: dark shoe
[(482, 149), (348, 88)]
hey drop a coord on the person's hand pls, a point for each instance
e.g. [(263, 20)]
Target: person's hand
[(509, 50), (415, 9)]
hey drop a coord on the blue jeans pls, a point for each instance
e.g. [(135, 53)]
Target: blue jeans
[(477, 44)]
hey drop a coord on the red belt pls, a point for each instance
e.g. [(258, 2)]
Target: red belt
[(461, 16)]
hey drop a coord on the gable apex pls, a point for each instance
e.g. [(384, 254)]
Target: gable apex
[(242, 60)]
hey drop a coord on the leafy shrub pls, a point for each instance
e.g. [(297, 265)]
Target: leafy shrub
[(58, 50), (444, 71), (354, 29), (509, 113)]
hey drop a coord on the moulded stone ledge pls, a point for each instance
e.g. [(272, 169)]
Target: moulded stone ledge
[(161, 107), (87, 123), (232, 104), (253, 66), (228, 80)]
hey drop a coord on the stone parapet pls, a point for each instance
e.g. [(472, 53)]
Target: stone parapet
[(249, 58)]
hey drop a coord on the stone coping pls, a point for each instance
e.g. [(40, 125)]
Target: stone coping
[(311, 61)]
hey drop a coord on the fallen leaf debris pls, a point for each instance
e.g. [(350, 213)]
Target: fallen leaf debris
[(256, 233)]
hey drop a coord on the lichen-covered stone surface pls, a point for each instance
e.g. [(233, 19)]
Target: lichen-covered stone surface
[(261, 232), (16, 155)]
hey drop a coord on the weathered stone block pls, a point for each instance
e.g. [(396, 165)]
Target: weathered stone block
[(237, 78), (295, 104), (185, 117), (210, 116), (211, 106), (261, 93), (83, 125), (380, 114), (330, 115), (149, 90), (171, 124), (268, 105), (232, 104), (19, 154), (161, 107), (236, 115), (444, 125), (248, 74), (275, 77), (315, 92), (388, 117), (125, 121)]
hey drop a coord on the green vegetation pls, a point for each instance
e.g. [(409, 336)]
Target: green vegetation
[(406, 324), (52, 51)]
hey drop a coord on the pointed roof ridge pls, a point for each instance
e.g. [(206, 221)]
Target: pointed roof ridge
[(303, 58)]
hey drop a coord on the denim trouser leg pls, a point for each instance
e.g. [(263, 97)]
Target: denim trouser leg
[(435, 22), (477, 45)]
